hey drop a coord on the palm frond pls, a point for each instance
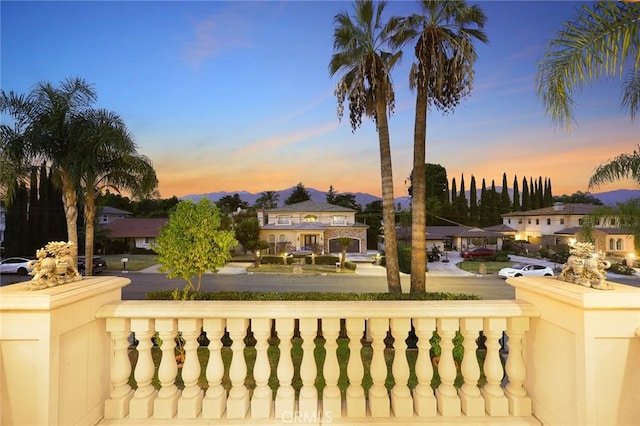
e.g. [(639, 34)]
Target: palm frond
[(631, 97), (600, 41), (621, 167)]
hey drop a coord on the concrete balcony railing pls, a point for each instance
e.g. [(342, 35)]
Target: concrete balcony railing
[(67, 358)]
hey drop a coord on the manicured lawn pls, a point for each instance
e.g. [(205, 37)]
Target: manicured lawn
[(305, 269), (474, 266), (136, 262)]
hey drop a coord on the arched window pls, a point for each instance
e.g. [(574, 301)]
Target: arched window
[(310, 218), (612, 244), (619, 244), (282, 238), (272, 239)]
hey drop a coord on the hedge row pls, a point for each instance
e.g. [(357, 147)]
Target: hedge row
[(301, 296)]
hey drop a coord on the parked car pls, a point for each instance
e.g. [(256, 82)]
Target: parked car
[(99, 264), (525, 269), (477, 252), (15, 265)]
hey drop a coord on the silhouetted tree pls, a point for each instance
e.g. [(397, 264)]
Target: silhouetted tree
[(473, 203), (526, 201), (505, 201), (298, 195), (516, 195)]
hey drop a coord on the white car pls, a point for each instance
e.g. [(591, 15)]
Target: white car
[(15, 265), (525, 269)]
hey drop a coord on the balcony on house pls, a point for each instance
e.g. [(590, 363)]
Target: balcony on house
[(557, 354)]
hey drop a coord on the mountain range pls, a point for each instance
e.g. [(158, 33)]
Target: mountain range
[(609, 198)]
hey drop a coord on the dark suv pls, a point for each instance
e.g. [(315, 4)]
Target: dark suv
[(99, 264)]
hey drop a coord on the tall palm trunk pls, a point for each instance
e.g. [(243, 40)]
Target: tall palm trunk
[(418, 195), (388, 202), (70, 202), (89, 218)]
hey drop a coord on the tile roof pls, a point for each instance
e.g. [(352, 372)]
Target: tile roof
[(312, 207), (134, 227), (558, 209)]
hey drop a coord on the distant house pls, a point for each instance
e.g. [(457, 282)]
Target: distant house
[(561, 223), (461, 237), (135, 232), (108, 214), (310, 225)]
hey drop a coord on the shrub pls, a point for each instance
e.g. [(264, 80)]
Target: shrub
[(117, 247), (271, 259), (350, 265), (326, 259), (619, 268), (404, 258)]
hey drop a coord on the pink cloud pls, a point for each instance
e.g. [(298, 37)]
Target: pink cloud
[(215, 34)]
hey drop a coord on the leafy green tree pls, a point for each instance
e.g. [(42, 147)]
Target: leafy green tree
[(231, 203), (372, 216), (246, 231), (442, 75), (331, 195), (257, 248), (347, 200), (359, 52), (192, 243), (298, 195), (267, 200), (578, 197), (602, 40)]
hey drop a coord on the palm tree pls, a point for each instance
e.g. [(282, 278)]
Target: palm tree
[(47, 115), (602, 40), (623, 166), (442, 75), (359, 45), (110, 160)]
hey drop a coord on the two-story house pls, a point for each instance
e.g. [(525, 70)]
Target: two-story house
[(561, 223), (311, 226)]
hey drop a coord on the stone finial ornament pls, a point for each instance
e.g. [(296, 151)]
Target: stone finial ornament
[(54, 266), (586, 267)]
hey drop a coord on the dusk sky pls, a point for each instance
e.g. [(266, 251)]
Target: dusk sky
[(231, 96)]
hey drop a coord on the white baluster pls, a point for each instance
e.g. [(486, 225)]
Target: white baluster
[(190, 402), (261, 400), (424, 400), (166, 404), (379, 405), (141, 405), (215, 400), (446, 394), (117, 405), (286, 395), (356, 403), (495, 401), (470, 397), (401, 401), (238, 401), (519, 401), (308, 400), (331, 398)]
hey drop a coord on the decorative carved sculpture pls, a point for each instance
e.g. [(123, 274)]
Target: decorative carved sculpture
[(586, 267), (54, 266)]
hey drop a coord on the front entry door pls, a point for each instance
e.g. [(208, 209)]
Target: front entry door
[(310, 241)]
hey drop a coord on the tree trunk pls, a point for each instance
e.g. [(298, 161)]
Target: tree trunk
[(388, 202), (418, 195), (89, 218), (70, 202)]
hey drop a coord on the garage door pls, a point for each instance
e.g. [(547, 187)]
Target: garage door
[(354, 246)]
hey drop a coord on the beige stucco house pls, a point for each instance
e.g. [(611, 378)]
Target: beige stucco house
[(310, 225), (561, 223)]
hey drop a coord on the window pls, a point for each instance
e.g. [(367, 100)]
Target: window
[(562, 221), (529, 221), (612, 244), (619, 244), (548, 221), (519, 220), (282, 238), (580, 221), (284, 220), (537, 221), (339, 220), (612, 221), (508, 220), (310, 218)]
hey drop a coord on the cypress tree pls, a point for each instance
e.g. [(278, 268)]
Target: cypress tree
[(473, 203), (494, 208), (533, 193), (17, 223), (526, 201), (549, 194), (540, 192), (463, 207), (505, 201), (516, 195), (484, 201)]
